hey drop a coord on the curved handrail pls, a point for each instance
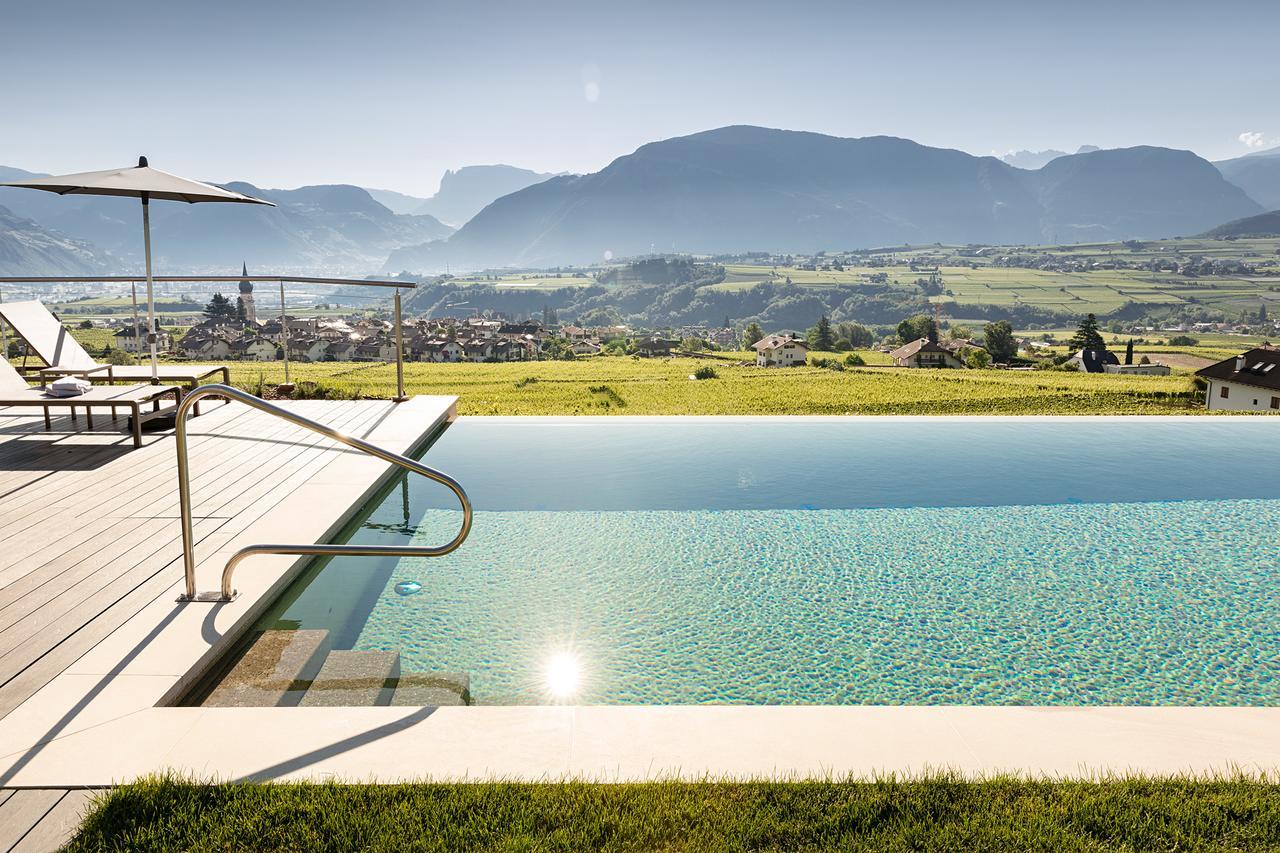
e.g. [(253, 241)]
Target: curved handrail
[(184, 496)]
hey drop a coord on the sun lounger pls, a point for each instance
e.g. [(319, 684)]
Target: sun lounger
[(63, 355), (14, 391)]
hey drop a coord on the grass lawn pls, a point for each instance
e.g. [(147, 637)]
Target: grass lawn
[(935, 813), (625, 386)]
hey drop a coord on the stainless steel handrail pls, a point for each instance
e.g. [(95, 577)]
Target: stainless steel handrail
[(227, 592)]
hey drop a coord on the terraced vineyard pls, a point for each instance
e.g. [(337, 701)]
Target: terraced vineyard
[(978, 281), (625, 386)]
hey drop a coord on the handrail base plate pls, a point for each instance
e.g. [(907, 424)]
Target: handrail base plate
[(208, 598)]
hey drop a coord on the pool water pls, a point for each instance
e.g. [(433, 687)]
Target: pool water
[(835, 561)]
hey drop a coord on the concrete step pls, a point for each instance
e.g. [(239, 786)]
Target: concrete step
[(275, 669), (352, 678), (419, 689)]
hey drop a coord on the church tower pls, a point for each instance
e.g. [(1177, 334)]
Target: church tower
[(247, 308)]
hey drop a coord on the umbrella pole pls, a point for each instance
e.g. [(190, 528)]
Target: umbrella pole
[(151, 302), (137, 327)]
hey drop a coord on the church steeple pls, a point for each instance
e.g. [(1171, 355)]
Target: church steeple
[(248, 311)]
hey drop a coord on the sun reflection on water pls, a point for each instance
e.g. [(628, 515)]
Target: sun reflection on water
[(563, 675)]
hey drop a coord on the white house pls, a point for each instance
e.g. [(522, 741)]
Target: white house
[(1153, 368), (780, 351), (925, 353), (1249, 382), (127, 339), (256, 349)]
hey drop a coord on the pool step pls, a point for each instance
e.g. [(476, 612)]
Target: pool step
[(354, 678), (275, 669), (419, 689)]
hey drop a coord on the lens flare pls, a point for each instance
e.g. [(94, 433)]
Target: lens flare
[(563, 674)]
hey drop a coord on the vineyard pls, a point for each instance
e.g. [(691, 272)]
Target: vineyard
[(625, 386)]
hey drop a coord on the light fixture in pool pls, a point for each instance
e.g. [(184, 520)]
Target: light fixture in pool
[(408, 587), (563, 674)]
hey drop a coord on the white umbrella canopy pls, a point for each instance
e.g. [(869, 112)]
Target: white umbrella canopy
[(145, 183)]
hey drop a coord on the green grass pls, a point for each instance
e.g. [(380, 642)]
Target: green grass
[(626, 386), (940, 812), (979, 282)]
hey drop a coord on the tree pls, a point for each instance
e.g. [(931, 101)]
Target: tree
[(240, 312), (1087, 335), (820, 337), (858, 335), (998, 338), (220, 308), (752, 335), (1128, 352), (916, 327), (977, 358)]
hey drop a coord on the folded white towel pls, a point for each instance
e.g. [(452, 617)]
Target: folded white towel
[(68, 386)]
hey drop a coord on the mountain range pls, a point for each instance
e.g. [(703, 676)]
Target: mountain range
[(30, 249), (747, 188), (1036, 159), (1262, 225), (337, 229), (733, 189), (465, 192), (1258, 174)]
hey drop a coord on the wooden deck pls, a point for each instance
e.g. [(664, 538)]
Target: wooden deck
[(89, 536), (36, 820)]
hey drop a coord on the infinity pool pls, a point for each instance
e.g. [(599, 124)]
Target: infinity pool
[(846, 560)]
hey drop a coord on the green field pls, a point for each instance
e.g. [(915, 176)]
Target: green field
[(627, 386), (530, 281), (977, 281), (938, 812)]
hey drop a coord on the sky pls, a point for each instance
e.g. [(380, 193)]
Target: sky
[(390, 93)]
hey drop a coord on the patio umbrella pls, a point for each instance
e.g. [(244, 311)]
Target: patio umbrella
[(146, 183)]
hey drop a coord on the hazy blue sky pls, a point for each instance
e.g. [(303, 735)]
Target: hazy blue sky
[(389, 93)]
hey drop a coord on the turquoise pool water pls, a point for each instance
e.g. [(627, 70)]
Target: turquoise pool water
[(896, 561)]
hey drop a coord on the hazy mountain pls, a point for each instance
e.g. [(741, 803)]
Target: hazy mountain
[(396, 202), (1258, 174), (335, 229), (466, 192), (1037, 159), (1143, 192), (28, 249), (1262, 225), (751, 188)]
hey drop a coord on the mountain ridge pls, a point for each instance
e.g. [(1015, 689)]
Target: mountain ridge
[(748, 188), (466, 191), (330, 228), (26, 248)]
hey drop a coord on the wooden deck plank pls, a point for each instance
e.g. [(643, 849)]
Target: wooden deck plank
[(52, 576), (24, 810), (57, 827), (152, 466), (39, 632), (205, 462), (210, 496), (106, 479)]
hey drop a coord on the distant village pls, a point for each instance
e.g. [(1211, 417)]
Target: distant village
[(236, 332)]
